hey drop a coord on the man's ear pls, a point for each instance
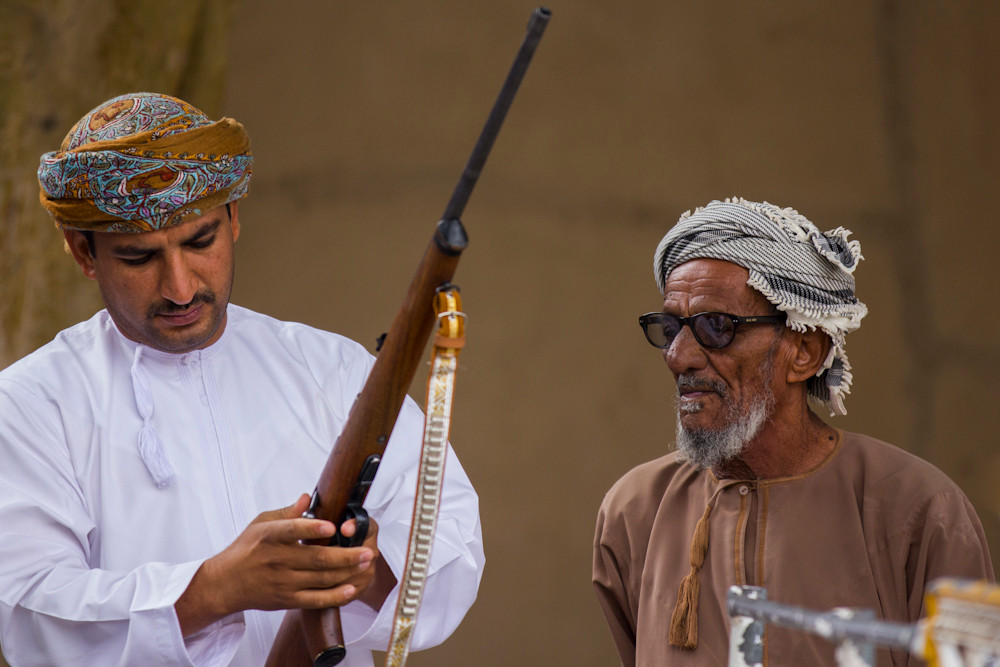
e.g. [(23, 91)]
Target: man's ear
[(78, 247), (812, 349)]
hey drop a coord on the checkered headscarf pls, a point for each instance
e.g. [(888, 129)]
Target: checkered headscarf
[(804, 272)]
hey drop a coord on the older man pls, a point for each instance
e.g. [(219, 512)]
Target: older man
[(145, 451), (761, 491)]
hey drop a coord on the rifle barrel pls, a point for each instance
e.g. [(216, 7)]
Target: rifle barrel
[(536, 25)]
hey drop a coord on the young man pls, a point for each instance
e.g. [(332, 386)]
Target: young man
[(146, 451)]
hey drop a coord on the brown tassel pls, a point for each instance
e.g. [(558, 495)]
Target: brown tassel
[(684, 621)]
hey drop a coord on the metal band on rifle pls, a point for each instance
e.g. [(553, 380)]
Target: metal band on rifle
[(448, 343)]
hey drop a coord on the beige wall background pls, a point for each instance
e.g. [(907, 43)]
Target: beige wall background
[(875, 116)]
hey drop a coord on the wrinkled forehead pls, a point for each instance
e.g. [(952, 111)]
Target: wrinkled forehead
[(705, 284), (132, 114)]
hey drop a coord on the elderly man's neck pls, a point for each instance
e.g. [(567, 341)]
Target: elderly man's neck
[(782, 448)]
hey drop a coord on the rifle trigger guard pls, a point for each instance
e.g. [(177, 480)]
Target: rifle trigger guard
[(354, 509), (360, 516)]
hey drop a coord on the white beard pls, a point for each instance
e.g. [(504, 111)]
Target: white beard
[(707, 448)]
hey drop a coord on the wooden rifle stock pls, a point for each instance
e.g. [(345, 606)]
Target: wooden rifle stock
[(314, 637)]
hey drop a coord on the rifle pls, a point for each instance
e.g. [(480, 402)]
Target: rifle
[(314, 637)]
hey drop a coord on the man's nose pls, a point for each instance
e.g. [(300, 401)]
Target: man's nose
[(685, 353), (179, 283)]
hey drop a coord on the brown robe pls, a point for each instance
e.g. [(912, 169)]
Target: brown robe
[(870, 527)]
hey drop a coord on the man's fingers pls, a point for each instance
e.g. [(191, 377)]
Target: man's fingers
[(300, 506), (349, 527), (334, 559), (291, 512), (326, 597), (288, 537), (294, 530), (309, 577)]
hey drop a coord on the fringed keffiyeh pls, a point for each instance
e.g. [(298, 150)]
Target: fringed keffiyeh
[(804, 272), (142, 162)]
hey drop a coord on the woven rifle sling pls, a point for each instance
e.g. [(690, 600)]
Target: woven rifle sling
[(448, 343)]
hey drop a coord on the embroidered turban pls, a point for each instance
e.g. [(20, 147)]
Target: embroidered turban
[(804, 272), (142, 162)]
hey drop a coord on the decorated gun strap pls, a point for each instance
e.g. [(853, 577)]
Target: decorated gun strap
[(448, 342)]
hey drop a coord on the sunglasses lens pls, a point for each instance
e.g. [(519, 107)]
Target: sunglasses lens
[(660, 329), (713, 329), (671, 327)]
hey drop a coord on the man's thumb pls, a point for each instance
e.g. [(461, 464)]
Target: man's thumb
[(293, 511)]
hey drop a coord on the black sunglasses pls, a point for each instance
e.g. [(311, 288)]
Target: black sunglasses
[(711, 330)]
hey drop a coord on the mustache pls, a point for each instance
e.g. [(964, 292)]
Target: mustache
[(693, 383), (166, 307)]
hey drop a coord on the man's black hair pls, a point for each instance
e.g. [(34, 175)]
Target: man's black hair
[(89, 235)]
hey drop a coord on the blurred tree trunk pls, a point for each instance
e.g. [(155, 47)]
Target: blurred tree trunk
[(58, 60)]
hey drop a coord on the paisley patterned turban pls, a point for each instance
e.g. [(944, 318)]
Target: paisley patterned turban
[(804, 272), (142, 162)]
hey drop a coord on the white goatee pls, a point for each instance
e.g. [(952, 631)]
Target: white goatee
[(706, 448)]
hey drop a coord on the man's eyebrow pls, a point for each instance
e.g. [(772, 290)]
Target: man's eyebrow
[(130, 248), (204, 231)]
